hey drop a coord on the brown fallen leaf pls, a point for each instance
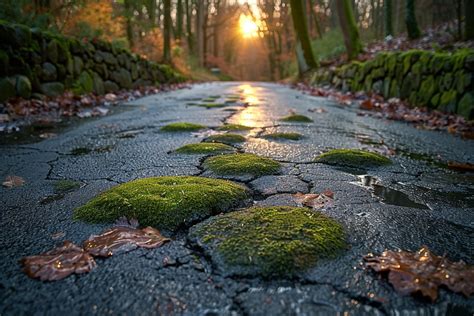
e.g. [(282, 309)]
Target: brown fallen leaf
[(367, 105), (13, 181), (123, 239), (461, 166), (58, 263), (422, 272), (315, 201)]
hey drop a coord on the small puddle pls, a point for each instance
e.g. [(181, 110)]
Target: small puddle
[(388, 195)]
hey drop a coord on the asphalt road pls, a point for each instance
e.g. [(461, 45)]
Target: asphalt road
[(417, 203)]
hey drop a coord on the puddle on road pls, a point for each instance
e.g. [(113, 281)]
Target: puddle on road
[(388, 195)]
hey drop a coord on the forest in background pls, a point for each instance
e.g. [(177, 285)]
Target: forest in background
[(239, 40)]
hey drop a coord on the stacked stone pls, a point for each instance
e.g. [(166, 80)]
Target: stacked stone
[(441, 81), (37, 62)]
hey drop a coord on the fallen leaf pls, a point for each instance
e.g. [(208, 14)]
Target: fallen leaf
[(47, 135), (315, 201), (13, 181), (422, 272), (123, 239), (367, 105), (317, 110), (58, 263), (461, 166)]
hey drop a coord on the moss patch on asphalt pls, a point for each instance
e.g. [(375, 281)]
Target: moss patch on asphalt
[(296, 118), (353, 158), (164, 202), (234, 127), (226, 138), (182, 127), (205, 148), (271, 241), (290, 136), (241, 164), (213, 105), (64, 186)]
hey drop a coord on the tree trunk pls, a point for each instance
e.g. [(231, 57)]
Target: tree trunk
[(301, 30), (199, 31), (128, 23), (167, 31), (349, 28), (469, 19), (189, 18), (388, 18), (410, 20), (179, 19)]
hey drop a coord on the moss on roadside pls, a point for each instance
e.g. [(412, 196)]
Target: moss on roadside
[(353, 158), (241, 164), (234, 127), (64, 186), (182, 127), (205, 148), (296, 118), (164, 202), (226, 138), (272, 241), (290, 136), (79, 151)]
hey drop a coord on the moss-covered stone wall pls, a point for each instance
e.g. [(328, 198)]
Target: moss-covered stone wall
[(34, 61), (442, 81)]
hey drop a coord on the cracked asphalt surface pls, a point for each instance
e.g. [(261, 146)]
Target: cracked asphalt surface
[(179, 278)]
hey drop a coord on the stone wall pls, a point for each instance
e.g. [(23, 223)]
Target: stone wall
[(440, 81), (37, 62)]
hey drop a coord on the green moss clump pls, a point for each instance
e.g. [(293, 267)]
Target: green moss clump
[(290, 136), (210, 99), (272, 241), (182, 127), (78, 151), (64, 186), (226, 138), (353, 158), (296, 118), (241, 164), (212, 105), (205, 148), (234, 127), (164, 202)]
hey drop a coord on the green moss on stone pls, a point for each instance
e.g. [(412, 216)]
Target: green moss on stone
[(226, 138), (164, 202), (353, 158), (427, 89), (84, 84), (272, 241), (241, 164), (213, 105), (448, 101), (234, 127), (182, 127), (296, 118), (205, 148), (290, 136), (64, 186)]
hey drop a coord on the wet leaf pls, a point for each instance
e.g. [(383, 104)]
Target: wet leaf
[(47, 135), (461, 166), (13, 181), (422, 272), (314, 200), (317, 110), (123, 239), (58, 263)]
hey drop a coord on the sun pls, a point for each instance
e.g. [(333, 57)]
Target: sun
[(248, 27)]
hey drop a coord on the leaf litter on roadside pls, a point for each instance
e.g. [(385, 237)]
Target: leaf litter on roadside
[(394, 109), (422, 272), (62, 261)]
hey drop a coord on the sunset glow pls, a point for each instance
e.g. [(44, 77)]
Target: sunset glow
[(248, 27)]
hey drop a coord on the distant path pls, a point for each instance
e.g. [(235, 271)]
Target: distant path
[(175, 279)]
